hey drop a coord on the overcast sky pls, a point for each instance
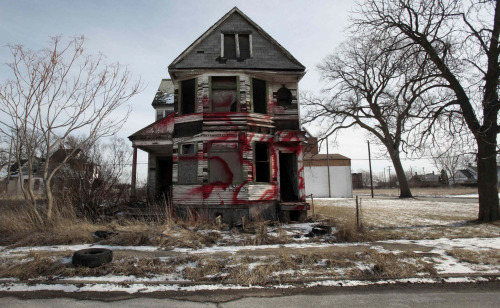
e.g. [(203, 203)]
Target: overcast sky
[(148, 35)]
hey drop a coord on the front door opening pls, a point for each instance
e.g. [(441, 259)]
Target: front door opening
[(289, 188)]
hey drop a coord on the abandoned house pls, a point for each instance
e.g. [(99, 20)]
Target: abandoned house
[(227, 140)]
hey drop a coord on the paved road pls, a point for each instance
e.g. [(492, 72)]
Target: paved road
[(465, 295)]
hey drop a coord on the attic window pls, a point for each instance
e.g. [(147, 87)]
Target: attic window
[(236, 46)]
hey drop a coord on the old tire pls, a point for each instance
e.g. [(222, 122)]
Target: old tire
[(92, 257)]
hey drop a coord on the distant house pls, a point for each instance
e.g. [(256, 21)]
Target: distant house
[(426, 180), (73, 165), (467, 177), (19, 176)]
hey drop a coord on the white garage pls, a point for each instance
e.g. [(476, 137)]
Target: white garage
[(316, 174)]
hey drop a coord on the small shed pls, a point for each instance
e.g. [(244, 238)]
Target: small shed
[(317, 169)]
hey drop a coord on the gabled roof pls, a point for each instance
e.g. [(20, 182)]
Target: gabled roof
[(268, 53), (467, 173)]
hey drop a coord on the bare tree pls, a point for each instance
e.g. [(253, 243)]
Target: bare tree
[(375, 86), (94, 179), (461, 38), (56, 92)]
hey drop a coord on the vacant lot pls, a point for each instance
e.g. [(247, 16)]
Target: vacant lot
[(420, 191), (384, 219), (399, 239)]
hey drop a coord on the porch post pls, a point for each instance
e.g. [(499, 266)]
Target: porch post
[(134, 174)]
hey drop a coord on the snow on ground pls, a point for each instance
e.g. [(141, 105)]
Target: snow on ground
[(462, 196), (412, 218), (440, 227), (148, 288)]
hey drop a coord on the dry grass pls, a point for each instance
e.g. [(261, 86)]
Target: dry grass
[(228, 268), (391, 265), (19, 226), (257, 234), (188, 238), (48, 266), (489, 257)]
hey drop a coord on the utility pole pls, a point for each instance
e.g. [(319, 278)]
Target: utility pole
[(370, 163), (328, 166)]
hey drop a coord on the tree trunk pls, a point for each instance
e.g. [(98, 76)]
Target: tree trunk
[(400, 173), (489, 209), (50, 200)]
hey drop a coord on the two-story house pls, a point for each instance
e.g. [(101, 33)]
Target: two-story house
[(227, 140)]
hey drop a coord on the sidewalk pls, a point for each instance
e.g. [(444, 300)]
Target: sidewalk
[(269, 266)]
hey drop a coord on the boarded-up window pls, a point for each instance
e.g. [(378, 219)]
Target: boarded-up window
[(259, 96), (236, 46), (262, 170), (244, 41), (229, 46), (224, 94), (188, 96), (224, 163), (188, 164)]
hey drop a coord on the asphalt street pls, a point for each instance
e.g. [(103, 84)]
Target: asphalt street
[(442, 295)]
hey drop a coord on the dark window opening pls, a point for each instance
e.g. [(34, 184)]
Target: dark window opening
[(188, 99), (259, 96), (163, 177), (224, 164), (244, 42), (224, 94), (289, 188), (188, 149), (287, 124), (262, 170), (229, 46), (188, 165), (284, 97)]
